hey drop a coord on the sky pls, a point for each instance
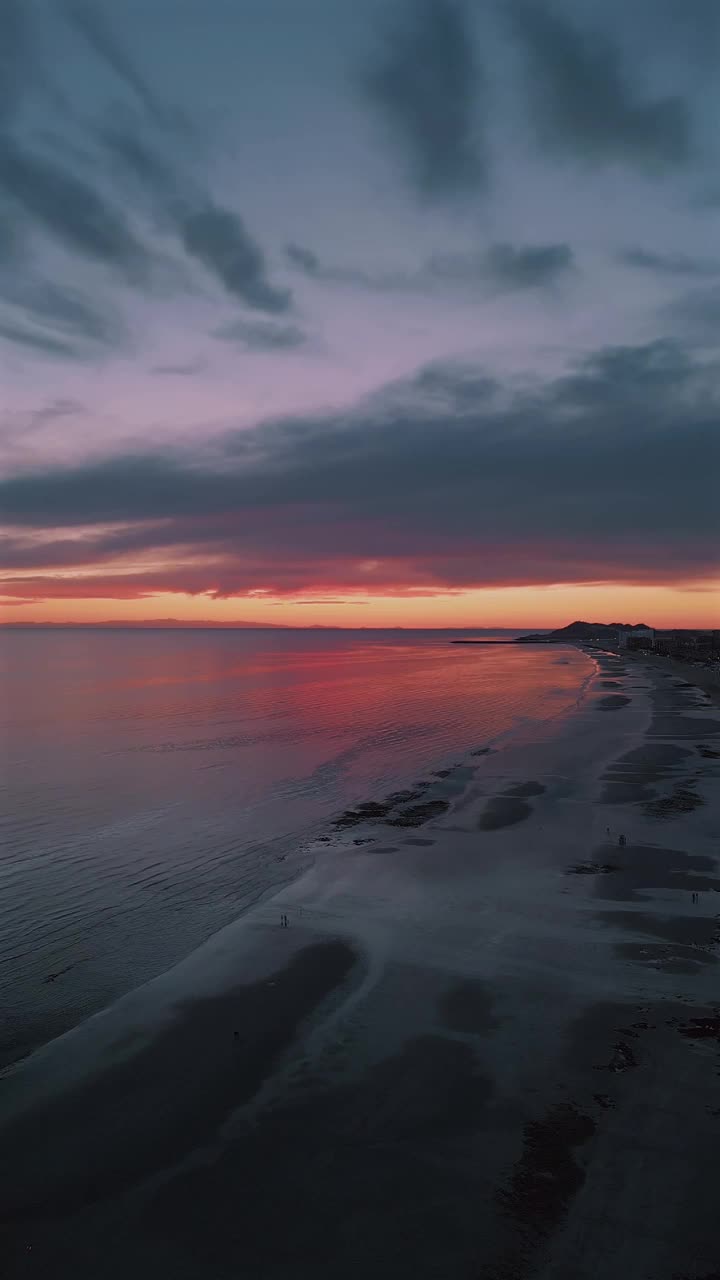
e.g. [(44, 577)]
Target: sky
[(359, 312)]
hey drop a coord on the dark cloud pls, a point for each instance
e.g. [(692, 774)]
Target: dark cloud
[(427, 83), (708, 197), (49, 193), (583, 101), (41, 315), (130, 153), (667, 264), (690, 27), (219, 239), (304, 259), (216, 237), (70, 209), (695, 315), (91, 22), (186, 369), (263, 336), (626, 378), (15, 55), (507, 267), (11, 244), (310, 264), (608, 473), (500, 268)]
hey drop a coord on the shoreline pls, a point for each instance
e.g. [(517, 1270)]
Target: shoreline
[(288, 856), (702, 677), (507, 1021)]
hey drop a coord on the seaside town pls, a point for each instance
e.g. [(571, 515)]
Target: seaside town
[(687, 646), (701, 647)]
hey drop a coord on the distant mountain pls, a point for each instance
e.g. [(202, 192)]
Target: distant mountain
[(581, 631), (144, 624)]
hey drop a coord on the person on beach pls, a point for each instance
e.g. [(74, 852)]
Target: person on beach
[(621, 842)]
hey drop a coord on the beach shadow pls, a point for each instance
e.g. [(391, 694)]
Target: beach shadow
[(638, 867), (144, 1112), (688, 931), (503, 811), (326, 1186), (524, 790)]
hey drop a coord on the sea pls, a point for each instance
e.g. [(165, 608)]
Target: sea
[(154, 784)]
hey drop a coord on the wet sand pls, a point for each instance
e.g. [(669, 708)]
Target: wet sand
[(213, 1056), (486, 1047)]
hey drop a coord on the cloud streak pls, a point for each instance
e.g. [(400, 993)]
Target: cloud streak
[(262, 336), (214, 236), (87, 211), (15, 55), (66, 312), (447, 481), (44, 343), (501, 268), (91, 23), (667, 264), (69, 209)]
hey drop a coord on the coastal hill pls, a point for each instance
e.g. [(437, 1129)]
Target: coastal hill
[(581, 631)]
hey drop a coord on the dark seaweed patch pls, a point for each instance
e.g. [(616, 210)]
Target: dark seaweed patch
[(417, 814), (547, 1176)]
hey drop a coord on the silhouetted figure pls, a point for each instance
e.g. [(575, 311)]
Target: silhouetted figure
[(621, 842), (608, 830)]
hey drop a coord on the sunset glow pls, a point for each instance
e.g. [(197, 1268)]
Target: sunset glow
[(513, 607), (285, 341)]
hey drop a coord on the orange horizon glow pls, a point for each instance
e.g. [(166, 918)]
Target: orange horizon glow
[(513, 607)]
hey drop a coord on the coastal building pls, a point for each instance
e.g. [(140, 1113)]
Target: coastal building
[(703, 646), (638, 638)]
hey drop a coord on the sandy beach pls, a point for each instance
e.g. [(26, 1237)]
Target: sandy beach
[(486, 1046)]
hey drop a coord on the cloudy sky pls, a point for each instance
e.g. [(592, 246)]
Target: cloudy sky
[(359, 311)]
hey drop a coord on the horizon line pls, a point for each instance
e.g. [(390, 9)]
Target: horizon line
[(171, 624)]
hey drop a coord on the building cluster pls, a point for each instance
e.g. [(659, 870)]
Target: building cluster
[(688, 646)]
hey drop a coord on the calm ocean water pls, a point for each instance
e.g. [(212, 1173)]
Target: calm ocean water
[(155, 783)]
